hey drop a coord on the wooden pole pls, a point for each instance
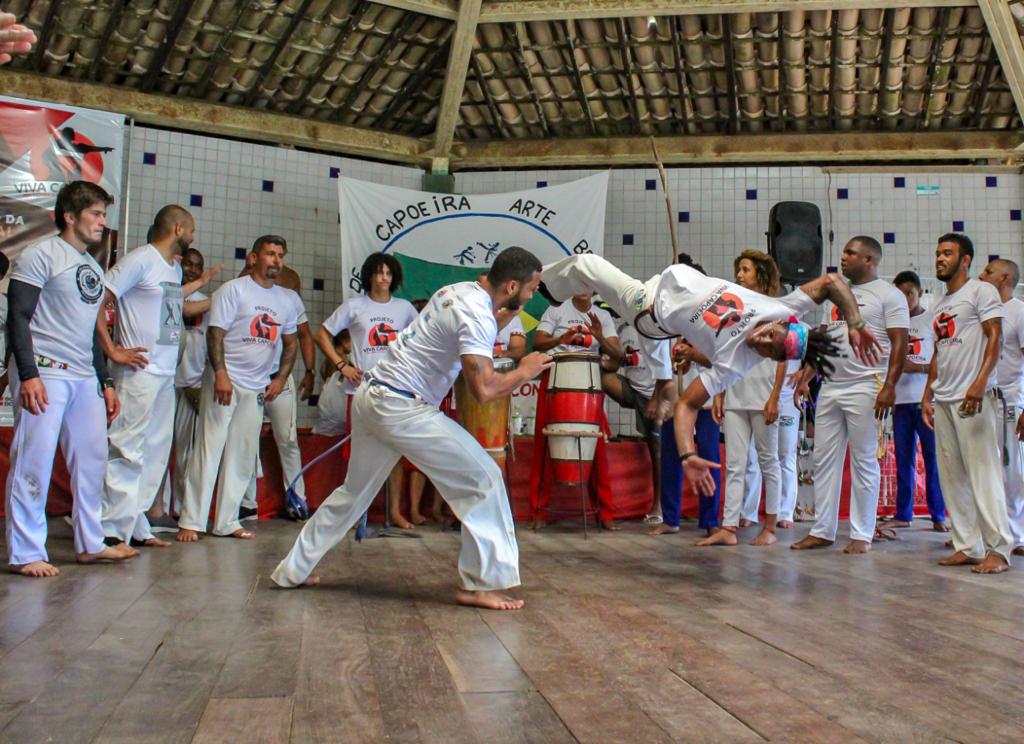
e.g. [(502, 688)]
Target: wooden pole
[(668, 201)]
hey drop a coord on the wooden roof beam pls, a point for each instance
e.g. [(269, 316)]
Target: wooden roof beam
[(830, 147), (455, 80), (438, 8), (505, 11), (215, 119), (1008, 46)]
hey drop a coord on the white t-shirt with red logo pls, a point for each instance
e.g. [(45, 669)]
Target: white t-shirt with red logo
[(882, 307), (920, 348), (514, 328), (1010, 370), (960, 340), (372, 325), (634, 365), (557, 320), (753, 391), (254, 319), (192, 360), (717, 316)]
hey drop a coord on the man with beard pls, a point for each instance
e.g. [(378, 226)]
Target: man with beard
[(395, 413), (252, 321), (968, 336), (59, 384), (854, 400), (146, 286)]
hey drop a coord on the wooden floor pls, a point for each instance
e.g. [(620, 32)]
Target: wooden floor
[(625, 638)]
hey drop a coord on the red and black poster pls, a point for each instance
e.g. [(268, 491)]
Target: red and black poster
[(42, 147)]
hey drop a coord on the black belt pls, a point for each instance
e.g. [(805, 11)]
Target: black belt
[(393, 389)]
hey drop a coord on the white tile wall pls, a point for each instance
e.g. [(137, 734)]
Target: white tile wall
[(722, 220)]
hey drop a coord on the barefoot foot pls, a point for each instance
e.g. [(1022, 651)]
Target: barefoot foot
[(767, 537), (785, 524), (488, 600), (810, 543), (610, 525), (993, 564), (150, 542), (898, 524), (938, 526), (419, 519), (120, 552), (538, 524), (857, 547), (242, 534), (960, 558), (187, 535), (35, 569), (397, 520), (1019, 550), (747, 523), (724, 536), (662, 529)]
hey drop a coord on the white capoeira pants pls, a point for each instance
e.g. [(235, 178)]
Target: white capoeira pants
[(186, 426), (740, 428), (1013, 465), (971, 472), (281, 412), (789, 434), (227, 439), (752, 483), (75, 418), (387, 426), (140, 446), (626, 295), (846, 415)]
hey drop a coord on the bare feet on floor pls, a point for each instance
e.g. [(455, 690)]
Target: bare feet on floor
[(939, 527), (242, 534), (723, 536), (397, 520), (897, 524), (187, 535), (610, 525), (119, 552), (960, 558), (857, 547), (156, 542), (810, 543), (785, 524), (35, 569), (419, 519), (993, 564), (1019, 550), (311, 580), (538, 524), (767, 537), (747, 523), (662, 529), (488, 600)]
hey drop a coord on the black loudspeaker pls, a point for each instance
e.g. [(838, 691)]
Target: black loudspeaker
[(794, 240)]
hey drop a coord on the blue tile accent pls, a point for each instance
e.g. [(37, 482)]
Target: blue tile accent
[(240, 253), (318, 283), (888, 238), (149, 158), (627, 239), (751, 194), (831, 270), (335, 172), (843, 194), (541, 184), (993, 256), (196, 200), (991, 182), (650, 184), (958, 225), (684, 216), (1015, 215), (268, 185), (899, 182)]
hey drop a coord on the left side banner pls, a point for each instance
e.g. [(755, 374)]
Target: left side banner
[(42, 147)]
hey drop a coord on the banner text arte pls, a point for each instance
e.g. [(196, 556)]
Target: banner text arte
[(441, 205)]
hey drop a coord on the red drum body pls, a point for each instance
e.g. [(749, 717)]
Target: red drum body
[(575, 407)]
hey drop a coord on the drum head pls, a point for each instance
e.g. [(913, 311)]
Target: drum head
[(576, 356)]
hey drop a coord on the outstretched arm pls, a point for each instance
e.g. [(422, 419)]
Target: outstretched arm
[(487, 385), (862, 340)]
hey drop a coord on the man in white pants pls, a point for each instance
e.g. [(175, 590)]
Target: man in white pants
[(395, 413), (733, 327), (56, 382), (965, 416), (146, 285), (854, 401), (250, 319), (1004, 275)]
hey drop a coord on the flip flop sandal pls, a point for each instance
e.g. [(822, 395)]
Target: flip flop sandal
[(885, 533)]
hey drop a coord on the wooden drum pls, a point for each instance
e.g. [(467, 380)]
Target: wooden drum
[(487, 422), (575, 406)]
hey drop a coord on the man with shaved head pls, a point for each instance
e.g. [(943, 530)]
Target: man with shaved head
[(146, 287), (1004, 275)]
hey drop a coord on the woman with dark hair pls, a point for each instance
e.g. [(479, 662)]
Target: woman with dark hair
[(373, 319)]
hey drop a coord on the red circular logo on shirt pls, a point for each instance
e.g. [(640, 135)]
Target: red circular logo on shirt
[(265, 327), (382, 334), (724, 313), (837, 315), (945, 326), (914, 346)]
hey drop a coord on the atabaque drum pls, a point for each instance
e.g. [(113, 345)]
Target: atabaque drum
[(575, 408), (487, 422)]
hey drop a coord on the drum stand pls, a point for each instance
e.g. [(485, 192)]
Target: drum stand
[(581, 483)]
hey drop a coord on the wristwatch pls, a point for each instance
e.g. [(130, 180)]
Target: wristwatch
[(857, 324)]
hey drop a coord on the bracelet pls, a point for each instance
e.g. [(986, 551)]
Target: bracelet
[(858, 324), (686, 456), (108, 383), (343, 365)]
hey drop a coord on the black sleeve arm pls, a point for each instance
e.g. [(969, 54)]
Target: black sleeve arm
[(99, 362), (22, 299)]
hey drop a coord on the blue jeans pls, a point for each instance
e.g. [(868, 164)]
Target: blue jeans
[(907, 426), (672, 472)]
